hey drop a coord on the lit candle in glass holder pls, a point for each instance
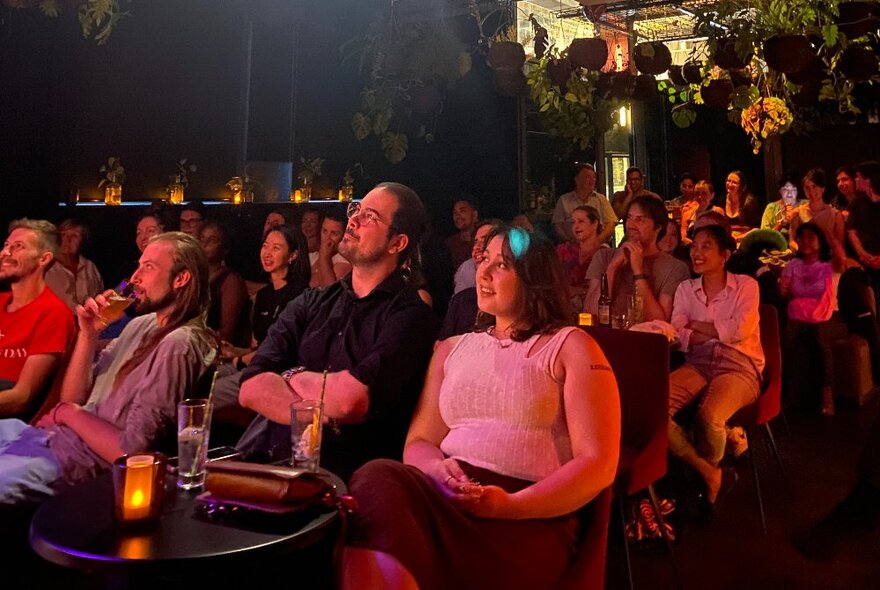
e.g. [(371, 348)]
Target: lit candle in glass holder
[(296, 196), (138, 483)]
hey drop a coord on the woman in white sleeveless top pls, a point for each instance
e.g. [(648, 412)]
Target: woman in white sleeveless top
[(518, 427)]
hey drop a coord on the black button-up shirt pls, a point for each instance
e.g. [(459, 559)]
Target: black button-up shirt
[(384, 340)]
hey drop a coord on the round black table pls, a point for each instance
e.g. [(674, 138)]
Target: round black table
[(76, 529)]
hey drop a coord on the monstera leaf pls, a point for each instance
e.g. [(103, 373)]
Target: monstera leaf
[(395, 146)]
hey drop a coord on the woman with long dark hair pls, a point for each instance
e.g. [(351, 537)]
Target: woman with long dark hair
[(740, 205), (518, 427)]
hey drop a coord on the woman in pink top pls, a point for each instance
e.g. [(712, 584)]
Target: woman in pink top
[(716, 317), (518, 427), (576, 256)]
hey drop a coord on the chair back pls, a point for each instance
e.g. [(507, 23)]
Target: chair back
[(641, 365), (587, 569), (769, 403)]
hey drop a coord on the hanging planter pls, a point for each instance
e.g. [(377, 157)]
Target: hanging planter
[(788, 53), (509, 83), (644, 87), (559, 71), (622, 85), (591, 54), (652, 58), (726, 56), (425, 99), (692, 72), (858, 63), (506, 55), (717, 93), (676, 76), (765, 118), (858, 18)]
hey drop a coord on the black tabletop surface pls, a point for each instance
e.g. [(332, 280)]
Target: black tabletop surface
[(76, 529)]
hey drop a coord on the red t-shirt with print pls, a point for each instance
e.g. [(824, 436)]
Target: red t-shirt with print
[(43, 326)]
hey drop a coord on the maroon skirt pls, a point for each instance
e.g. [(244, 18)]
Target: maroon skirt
[(400, 512)]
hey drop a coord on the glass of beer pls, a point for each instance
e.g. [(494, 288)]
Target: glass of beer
[(119, 300)]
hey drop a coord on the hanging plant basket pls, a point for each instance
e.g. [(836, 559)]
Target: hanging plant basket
[(509, 83), (506, 55), (857, 63), (652, 58), (726, 56), (644, 87), (692, 72), (424, 99), (591, 54), (858, 18), (788, 53), (717, 93), (559, 71), (676, 76), (622, 85)]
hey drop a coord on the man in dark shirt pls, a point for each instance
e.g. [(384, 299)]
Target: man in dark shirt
[(362, 344)]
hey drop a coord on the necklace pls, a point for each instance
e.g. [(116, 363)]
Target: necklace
[(499, 337)]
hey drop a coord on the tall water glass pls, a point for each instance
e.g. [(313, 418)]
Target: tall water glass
[(306, 428), (193, 426)]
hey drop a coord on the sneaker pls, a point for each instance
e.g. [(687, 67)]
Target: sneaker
[(737, 442)]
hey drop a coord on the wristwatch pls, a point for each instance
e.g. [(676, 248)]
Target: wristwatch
[(289, 373)]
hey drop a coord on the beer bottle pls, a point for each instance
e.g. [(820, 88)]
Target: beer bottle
[(604, 303)]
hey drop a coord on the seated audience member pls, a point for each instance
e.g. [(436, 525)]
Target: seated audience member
[(132, 388), (806, 283), (362, 344), (584, 193), (704, 193), (230, 305), (826, 217), (148, 225), (496, 462), (465, 274), (522, 221), (73, 277), (635, 187), (192, 219), (863, 222), (577, 255), (275, 218), (686, 184), (465, 216), (310, 226), (717, 320), (845, 178), (36, 328), (638, 265), (284, 256), (329, 266), (740, 205), (779, 214)]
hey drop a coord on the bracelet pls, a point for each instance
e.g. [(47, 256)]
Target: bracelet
[(289, 373), (640, 276), (55, 412)]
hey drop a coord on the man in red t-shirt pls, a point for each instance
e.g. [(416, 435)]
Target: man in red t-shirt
[(36, 327)]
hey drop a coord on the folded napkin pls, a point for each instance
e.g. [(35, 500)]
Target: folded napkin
[(657, 327)]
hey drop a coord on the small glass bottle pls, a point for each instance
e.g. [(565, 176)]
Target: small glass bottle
[(604, 303)]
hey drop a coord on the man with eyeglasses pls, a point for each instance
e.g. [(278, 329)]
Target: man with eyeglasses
[(634, 187), (361, 344), (192, 218), (638, 266)]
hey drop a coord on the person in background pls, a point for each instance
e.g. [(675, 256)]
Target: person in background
[(638, 265), (36, 327), (584, 193), (522, 221), (806, 284), (845, 178), (73, 277), (310, 226), (496, 462), (704, 194), (361, 344), (229, 311), (274, 218), (826, 217), (125, 401), (284, 256), (716, 317), (779, 214), (686, 184), (464, 215), (740, 205), (465, 274), (863, 223), (148, 225), (576, 256), (635, 187), (192, 218), (330, 266)]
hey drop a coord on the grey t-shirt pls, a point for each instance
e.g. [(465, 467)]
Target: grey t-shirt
[(664, 270), (144, 405)]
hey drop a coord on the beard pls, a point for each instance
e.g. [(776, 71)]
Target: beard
[(146, 306), (356, 257)]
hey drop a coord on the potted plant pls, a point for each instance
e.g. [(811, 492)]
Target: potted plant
[(765, 117), (311, 169), (179, 181), (114, 176), (652, 57), (97, 18), (858, 63), (588, 53)]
